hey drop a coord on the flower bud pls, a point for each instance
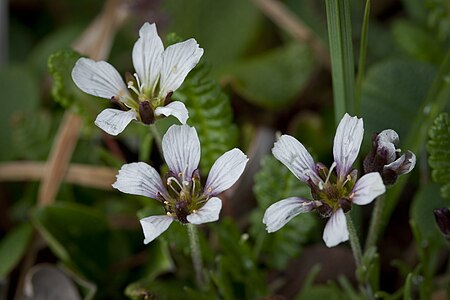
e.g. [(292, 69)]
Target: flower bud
[(385, 159), (442, 217)]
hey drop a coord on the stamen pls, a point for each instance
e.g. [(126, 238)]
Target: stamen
[(173, 179), (133, 88), (138, 81), (347, 179), (329, 172)]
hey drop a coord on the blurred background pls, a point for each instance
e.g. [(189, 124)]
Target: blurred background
[(266, 69)]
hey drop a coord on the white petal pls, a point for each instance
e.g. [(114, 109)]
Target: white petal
[(208, 213), (347, 142), (281, 212), (176, 109), (181, 149), (114, 121), (99, 78), (225, 171), (367, 188), (155, 225), (147, 59), (335, 231), (387, 141), (139, 179), (177, 61), (295, 156), (403, 165)]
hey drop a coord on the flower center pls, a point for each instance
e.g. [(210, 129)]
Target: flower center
[(332, 191), (185, 196)]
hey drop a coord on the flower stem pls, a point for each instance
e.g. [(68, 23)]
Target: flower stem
[(157, 137), (196, 254), (354, 240), (375, 223)]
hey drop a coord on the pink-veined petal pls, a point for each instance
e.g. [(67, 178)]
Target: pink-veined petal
[(181, 149), (177, 61), (114, 121), (176, 109), (147, 55), (296, 158), (139, 179), (367, 188), (225, 171), (281, 212), (99, 78), (347, 142), (335, 231), (155, 225), (208, 213)]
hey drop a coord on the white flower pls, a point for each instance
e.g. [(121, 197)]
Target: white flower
[(333, 190), (181, 192), (158, 74)]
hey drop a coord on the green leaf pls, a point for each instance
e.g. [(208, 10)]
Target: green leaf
[(13, 247), (210, 113), (322, 292), (275, 78), (275, 182), (223, 41), (439, 152), (391, 94), (417, 42), (20, 93), (341, 52), (64, 90), (78, 235)]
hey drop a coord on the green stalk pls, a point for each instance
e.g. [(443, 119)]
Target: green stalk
[(362, 57), (196, 254), (375, 223), (354, 240), (157, 137), (341, 51)]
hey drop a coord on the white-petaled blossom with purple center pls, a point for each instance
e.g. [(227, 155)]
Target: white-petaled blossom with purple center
[(147, 94), (333, 190), (181, 192)]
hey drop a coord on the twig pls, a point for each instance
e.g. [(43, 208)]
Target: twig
[(285, 19), (84, 175)]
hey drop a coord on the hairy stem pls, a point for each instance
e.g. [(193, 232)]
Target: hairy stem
[(375, 223), (196, 254), (354, 240)]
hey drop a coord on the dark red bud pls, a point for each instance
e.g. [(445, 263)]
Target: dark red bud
[(146, 113), (442, 217)]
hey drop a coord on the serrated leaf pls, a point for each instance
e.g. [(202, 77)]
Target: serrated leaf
[(438, 147), (210, 113), (273, 79), (13, 247), (417, 42), (32, 134), (64, 90), (275, 182)]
